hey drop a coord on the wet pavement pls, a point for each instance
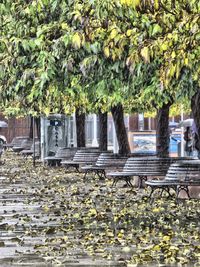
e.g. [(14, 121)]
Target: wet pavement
[(50, 217)]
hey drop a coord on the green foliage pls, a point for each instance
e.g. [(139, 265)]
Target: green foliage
[(58, 55)]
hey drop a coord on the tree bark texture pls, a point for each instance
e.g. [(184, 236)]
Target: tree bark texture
[(103, 131), (31, 128), (122, 138), (195, 106), (162, 131), (80, 128)]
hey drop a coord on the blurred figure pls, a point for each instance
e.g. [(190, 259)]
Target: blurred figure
[(196, 144), (188, 141)]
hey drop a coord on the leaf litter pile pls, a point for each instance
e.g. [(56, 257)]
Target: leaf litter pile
[(50, 216)]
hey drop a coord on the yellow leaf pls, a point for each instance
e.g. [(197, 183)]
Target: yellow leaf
[(129, 32), (113, 56), (170, 35), (46, 110), (173, 248), (64, 26), (113, 34), (156, 4), (136, 3), (76, 216), (76, 40), (166, 238), (173, 55), (172, 70), (126, 249), (92, 212), (83, 40), (120, 235), (65, 238), (156, 210), (186, 61), (109, 233), (46, 208), (156, 248), (164, 47), (129, 61), (106, 52), (133, 3), (145, 54)]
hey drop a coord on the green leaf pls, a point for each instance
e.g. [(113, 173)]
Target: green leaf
[(156, 29)]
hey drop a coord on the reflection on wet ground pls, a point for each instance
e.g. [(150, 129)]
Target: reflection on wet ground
[(50, 217)]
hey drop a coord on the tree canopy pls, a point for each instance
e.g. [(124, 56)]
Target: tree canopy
[(58, 55)]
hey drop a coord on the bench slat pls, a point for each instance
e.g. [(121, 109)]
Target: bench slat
[(144, 167)]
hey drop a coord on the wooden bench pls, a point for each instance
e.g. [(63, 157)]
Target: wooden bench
[(29, 152), (24, 144), (142, 167), (16, 141), (108, 161), (105, 161), (179, 177), (82, 157), (63, 153)]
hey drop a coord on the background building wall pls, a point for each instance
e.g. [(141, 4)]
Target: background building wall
[(16, 127)]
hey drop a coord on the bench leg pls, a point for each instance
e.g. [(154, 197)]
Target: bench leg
[(115, 181), (68, 167), (182, 187), (85, 174), (152, 190), (174, 187), (58, 163), (51, 163), (128, 181), (77, 169), (165, 189), (151, 199), (141, 179), (101, 174)]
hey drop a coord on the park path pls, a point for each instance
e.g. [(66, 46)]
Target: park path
[(50, 217), (37, 213)]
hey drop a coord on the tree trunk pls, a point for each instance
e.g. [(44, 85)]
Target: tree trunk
[(38, 128), (162, 132), (103, 131), (195, 104), (122, 138), (31, 128), (80, 128)]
